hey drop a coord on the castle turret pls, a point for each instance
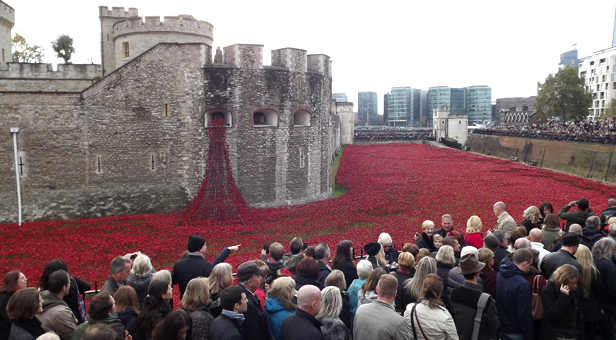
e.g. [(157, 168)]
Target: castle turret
[(7, 21), (125, 35)]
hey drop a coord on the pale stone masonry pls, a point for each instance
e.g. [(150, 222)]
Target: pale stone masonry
[(136, 141)]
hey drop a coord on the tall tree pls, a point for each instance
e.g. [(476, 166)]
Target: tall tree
[(24, 53), (562, 94), (610, 111), (63, 46)]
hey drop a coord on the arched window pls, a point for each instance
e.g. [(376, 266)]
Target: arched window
[(264, 118), (301, 118), (214, 114)]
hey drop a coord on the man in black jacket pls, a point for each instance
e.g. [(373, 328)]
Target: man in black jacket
[(323, 255), (498, 246), (591, 232), (250, 277), (551, 262), (464, 301), (579, 216), (446, 227), (602, 252), (303, 325), (228, 326), (195, 265)]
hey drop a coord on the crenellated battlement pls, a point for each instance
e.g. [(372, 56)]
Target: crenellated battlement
[(173, 24), (320, 63), (103, 11), (45, 71), (7, 14), (244, 55), (293, 58)]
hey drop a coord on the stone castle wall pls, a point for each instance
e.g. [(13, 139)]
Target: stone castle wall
[(136, 141), (7, 21)]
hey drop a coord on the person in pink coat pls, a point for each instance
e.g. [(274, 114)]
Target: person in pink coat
[(473, 232)]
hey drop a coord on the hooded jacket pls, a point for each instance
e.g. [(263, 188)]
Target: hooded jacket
[(513, 300), (562, 316), (57, 317), (275, 313), (82, 328), (353, 290), (140, 284), (590, 236)]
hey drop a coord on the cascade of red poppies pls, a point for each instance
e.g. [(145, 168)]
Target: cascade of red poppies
[(218, 198)]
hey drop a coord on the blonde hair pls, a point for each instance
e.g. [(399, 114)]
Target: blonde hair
[(380, 256), (437, 237), (220, 277), (283, 289), (331, 302), (197, 294), (564, 274), (445, 255), (161, 275), (142, 266), (336, 279), (426, 224), (414, 286), (406, 261), (473, 225), (532, 214), (585, 259), (49, 336), (611, 220), (485, 255)]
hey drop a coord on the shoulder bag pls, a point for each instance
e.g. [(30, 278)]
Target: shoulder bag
[(481, 305), (537, 306)]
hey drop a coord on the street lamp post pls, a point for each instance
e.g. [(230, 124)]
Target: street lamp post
[(14, 131)]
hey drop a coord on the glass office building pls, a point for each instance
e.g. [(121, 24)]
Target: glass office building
[(478, 103), (340, 97), (474, 101), (400, 106), (367, 108)]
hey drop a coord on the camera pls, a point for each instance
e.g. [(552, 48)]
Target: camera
[(305, 246)]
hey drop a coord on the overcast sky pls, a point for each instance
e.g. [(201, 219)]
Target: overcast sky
[(374, 46)]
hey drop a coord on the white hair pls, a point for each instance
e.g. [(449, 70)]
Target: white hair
[(364, 267), (469, 250), (384, 238)]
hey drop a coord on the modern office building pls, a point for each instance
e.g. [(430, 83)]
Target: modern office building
[(569, 58), (420, 108), (478, 103), (400, 106), (340, 97), (385, 106), (474, 101), (367, 108), (599, 72)]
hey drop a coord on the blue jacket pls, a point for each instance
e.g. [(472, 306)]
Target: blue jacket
[(275, 313), (513, 301), (352, 291)]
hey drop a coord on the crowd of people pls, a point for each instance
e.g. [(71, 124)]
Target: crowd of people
[(526, 280), (589, 131), (393, 135)]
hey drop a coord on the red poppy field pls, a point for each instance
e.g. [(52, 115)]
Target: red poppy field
[(392, 188)]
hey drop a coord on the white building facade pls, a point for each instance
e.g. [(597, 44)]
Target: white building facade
[(599, 72), (447, 125)]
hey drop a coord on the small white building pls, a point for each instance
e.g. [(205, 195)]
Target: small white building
[(599, 72), (449, 125)]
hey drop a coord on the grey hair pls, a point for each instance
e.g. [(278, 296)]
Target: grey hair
[(445, 255), (531, 214), (604, 247), (384, 238), (500, 205), (321, 251), (142, 266), (364, 267), (469, 250), (117, 264), (593, 222), (501, 235), (161, 275), (447, 216), (331, 302)]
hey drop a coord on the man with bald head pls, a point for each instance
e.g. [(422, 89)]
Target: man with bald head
[(521, 243), (504, 221), (378, 319), (609, 212), (536, 242), (303, 325)]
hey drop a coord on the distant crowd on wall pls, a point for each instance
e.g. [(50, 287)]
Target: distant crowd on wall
[(586, 131), (529, 280), (393, 135)]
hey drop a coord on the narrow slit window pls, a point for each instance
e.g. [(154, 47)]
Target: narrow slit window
[(21, 166), (302, 158), (166, 112), (152, 161), (126, 50), (98, 165)]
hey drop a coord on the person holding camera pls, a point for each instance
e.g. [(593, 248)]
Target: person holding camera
[(579, 216)]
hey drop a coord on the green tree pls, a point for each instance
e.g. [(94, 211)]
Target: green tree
[(63, 46), (610, 110), (562, 94), (24, 53)]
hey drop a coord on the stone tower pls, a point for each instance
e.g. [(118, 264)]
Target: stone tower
[(125, 35), (7, 21)]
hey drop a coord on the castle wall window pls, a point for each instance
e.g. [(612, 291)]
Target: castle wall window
[(264, 118), (166, 112), (301, 118), (302, 158), (99, 167), (214, 114), (3, 58), (126, 50), (152, 162), (22, 168)]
